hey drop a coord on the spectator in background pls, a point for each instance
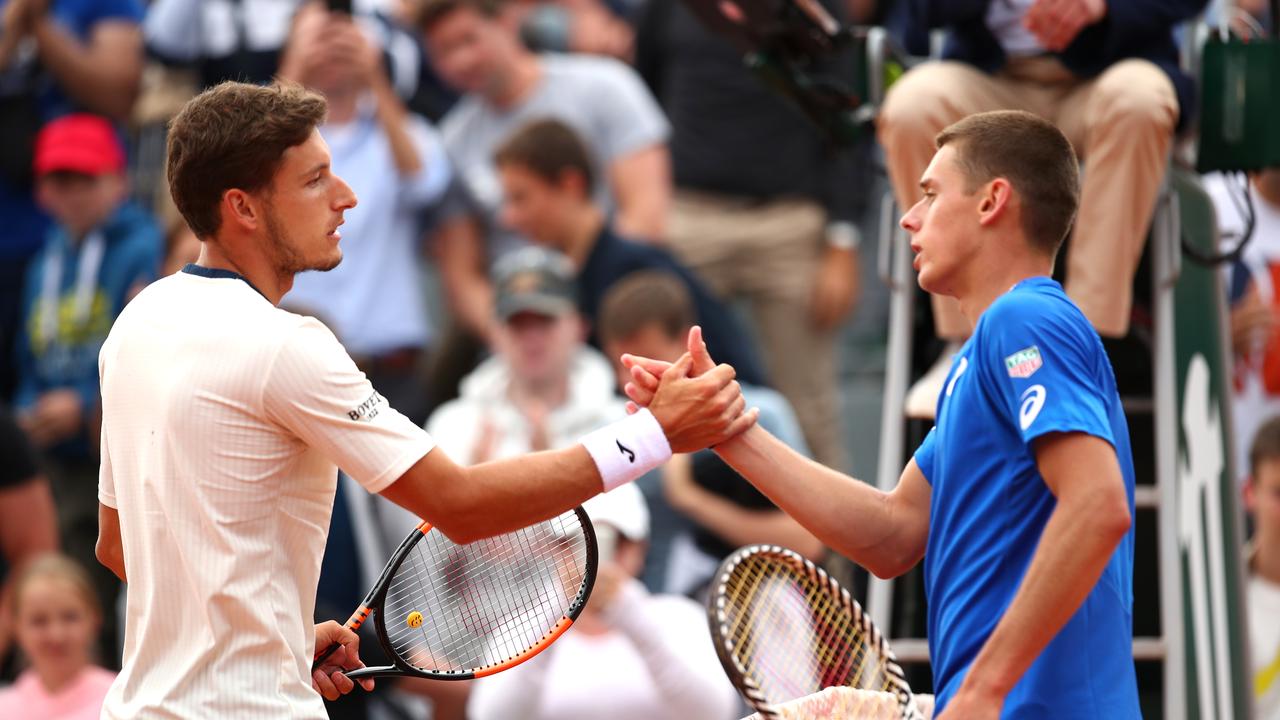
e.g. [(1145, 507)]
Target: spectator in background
[(1106, 73), (56, 615), (475, 48), (543, 387), (1254, 281), (394, 162), (101, 250), (703, 509), (1262, 500), (631, 655), (56, 57), (28, 527), (764, 207), (245, 40), (548, 182)]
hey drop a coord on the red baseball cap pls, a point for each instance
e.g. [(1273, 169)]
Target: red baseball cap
[(80, 143)]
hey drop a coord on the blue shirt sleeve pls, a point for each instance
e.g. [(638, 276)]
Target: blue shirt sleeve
[(1048, 366), (925, 454)]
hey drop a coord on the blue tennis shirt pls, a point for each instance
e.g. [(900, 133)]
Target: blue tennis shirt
[(1033, 366)]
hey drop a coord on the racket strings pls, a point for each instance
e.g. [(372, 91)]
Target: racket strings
[(794, 634), (486, 602)]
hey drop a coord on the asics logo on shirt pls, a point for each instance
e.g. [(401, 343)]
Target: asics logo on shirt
[(1032, 402)]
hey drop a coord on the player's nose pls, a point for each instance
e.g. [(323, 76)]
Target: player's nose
[(346, 197)]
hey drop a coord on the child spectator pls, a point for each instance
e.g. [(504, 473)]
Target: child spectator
[(100, 251), (1262, 500), (56, 616)]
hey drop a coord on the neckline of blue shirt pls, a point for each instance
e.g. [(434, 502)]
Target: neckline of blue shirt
[(220, 273)]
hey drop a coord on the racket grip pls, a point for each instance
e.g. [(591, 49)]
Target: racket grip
[(329, 651)]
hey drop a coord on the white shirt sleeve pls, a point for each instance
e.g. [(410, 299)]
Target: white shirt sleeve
[(314, 389), (106, 483)]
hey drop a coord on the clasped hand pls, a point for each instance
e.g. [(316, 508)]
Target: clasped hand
[(698, 403)]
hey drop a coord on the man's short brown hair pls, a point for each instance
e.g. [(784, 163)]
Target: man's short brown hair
[(1034, 156), (427, 13), (1265, 447), (230, 136), (548, 148), (644, 298)]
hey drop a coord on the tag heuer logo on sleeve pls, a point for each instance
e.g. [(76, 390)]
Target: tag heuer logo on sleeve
[(1024, 363)]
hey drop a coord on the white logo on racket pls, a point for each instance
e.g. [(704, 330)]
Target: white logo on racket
[(1032, 402), (964, 365)]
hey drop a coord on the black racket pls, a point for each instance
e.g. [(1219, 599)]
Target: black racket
[(784, 629), (454, 612)]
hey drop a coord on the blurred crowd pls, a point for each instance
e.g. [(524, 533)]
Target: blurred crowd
[(544, 185)]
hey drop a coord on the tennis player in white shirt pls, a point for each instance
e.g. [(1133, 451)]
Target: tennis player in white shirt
[(224, 419)]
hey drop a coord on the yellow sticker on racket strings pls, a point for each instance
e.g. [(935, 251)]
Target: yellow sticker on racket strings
[(414, 620)]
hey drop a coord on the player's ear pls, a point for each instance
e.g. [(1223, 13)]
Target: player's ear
[(241, 208), (994, 200)]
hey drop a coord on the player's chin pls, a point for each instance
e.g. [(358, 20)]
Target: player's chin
[(329, 261)]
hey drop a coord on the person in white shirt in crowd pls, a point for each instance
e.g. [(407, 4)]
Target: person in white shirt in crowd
[(1253, 282), (1262, 500), (395, 163), (543, 386), (631, 655), (475, 48), (225, 418)]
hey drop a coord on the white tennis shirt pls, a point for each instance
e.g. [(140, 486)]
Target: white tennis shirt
[(223, 418)]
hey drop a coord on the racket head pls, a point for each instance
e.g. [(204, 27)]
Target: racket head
[(483, 607), (783, 628)]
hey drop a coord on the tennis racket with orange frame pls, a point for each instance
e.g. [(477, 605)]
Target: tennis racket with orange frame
[(455, 612)]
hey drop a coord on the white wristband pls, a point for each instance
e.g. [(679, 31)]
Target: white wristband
[(627, 449)]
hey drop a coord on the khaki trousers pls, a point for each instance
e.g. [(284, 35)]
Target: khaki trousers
[(1121, 124), (768, 253)]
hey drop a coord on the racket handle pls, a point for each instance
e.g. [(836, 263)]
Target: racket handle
[(329, 651)]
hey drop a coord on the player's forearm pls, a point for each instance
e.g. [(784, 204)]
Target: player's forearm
[(824, 501), (1078, 541), (470, 503)]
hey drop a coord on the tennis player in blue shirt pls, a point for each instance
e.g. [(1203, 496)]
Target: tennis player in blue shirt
[(1020, 499)]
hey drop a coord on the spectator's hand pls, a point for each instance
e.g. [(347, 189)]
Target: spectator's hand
[(1056, 23), (835, 289), (305, 53), (328, 679), (1252, 323), (486, 442), (57, 415), (348, 44), (535, 413)]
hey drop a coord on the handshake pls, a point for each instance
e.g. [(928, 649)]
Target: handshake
[(698, 404)]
